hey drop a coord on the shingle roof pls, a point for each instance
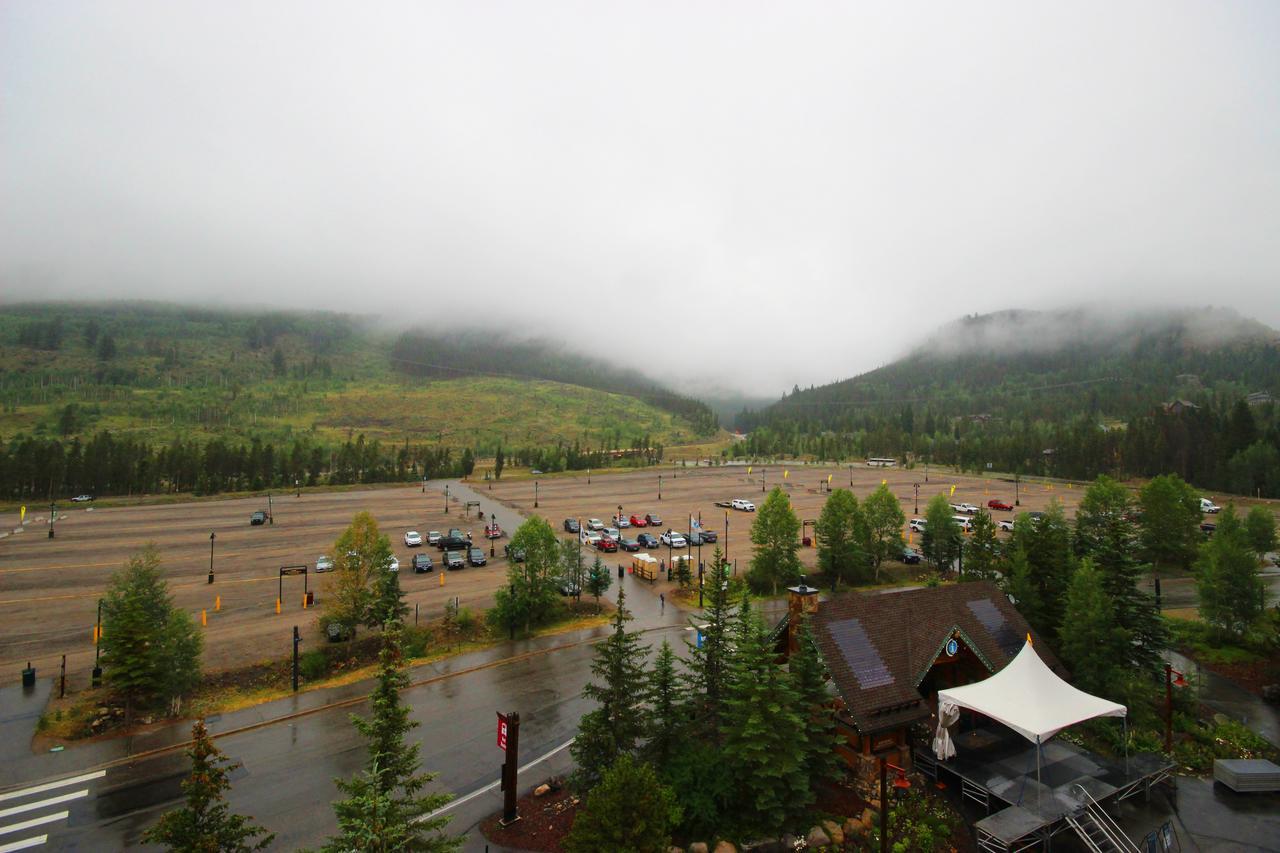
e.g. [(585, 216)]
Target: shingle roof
[(878, 647)]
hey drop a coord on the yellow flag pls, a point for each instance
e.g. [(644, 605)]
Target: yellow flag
[(748, 469), (22, 515), (829, 478), (786, 474), (884, 482), (953, 490)]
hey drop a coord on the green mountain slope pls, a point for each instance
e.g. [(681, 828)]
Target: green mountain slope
[(1074, 393)]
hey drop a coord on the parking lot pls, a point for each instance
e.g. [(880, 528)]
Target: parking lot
[(49, 589)]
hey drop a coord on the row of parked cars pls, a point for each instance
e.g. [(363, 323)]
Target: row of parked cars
[(611, 539)]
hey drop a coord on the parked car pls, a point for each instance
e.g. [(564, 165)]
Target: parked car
[(571, 525), (707, 535), (1209, 506), (590, 537), (257, 518), (622, 521), (652, 520), (337, 632), (675, 540), (966, 509), (595, 524), (996, 503), (476, 557), (638, 521), (422, 563), (608, 544), (453, 560), (629, 544), (910, 556), (742, 504), (454, 540), (1005, 524), (393, 565), (515, 555), (917, 524), (612, 533), (1035, 515), (324, 563), (966, 523), (82, 499), (535, 472), (493, 531), (1207, 528), (412, 539), (647, 540), (434, 537), (568, 588)]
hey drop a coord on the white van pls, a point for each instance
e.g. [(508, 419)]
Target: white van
[(965, 522), (1209, 506)]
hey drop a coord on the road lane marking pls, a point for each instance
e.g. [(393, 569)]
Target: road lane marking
[(487, 788), (51, 801), (24, 844), (35, 821), (49, 786)]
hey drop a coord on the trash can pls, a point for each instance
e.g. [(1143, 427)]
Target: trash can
[(29, 677), (808, 542), (311, 599), (620, 570)]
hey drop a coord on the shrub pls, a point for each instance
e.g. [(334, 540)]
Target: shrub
[(466, 619), (415, 643), (313, 665)]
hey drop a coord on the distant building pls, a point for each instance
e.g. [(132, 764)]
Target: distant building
[(1259, 398), (1189, 379), (1177, 407)]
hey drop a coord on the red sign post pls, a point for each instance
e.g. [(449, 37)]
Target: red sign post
[(509, 742), (502, 732)]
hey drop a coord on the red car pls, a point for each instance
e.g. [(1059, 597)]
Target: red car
[(607, 544), (637, 521), (493, 531), (998, 504)]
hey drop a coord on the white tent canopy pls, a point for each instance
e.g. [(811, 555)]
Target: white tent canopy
[(1029, 698)]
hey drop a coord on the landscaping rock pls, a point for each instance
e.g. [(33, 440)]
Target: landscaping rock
[(817, 837), (675, 850), (542, 790), (853, 827), (1271, 693), (725, 847), (834, 832), (765, 845), (698, 847)]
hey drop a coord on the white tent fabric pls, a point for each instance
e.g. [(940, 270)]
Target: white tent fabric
[(1027, 697), (942, 745)]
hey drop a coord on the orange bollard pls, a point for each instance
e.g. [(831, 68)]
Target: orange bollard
[(277, 606), (95, 635), (304, 601), (442, 578), (204, 618), (217, 603)]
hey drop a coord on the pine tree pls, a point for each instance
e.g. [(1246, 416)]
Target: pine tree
[(629, 811), (205, 824), (614, 728), (598, 580), (1231, 593), (1091, 642), (384, 805), (941, 542), (1105, 534), (1260, 528), (532, 591), (706, 671), (981, 549), (387, 604), (1021, 589), (841, 532), (821, 760), (499, 462), (1046, 541), (1170, 531), (150, 649), (775, 533), (761, 716), (884, 520), (666, 715)]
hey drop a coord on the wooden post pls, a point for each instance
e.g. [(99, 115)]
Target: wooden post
[(884, 811), (509, 768)]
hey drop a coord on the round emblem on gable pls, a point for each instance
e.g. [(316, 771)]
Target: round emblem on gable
[(952, 647)]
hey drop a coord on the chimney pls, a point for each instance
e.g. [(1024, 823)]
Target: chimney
[(802, 602)]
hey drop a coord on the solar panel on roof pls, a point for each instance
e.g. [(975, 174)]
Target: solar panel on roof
[(859, 653), (1006, 637)]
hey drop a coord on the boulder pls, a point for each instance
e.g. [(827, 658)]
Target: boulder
[(725, 847), (698, 847), (834, 832), (853, 827), (817, 837), (542, 790), (1271, 693)]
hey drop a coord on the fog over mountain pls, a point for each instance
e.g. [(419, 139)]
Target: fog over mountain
[(749, 199)]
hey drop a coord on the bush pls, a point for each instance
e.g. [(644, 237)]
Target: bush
[(313, 665), (466, 619), (415, 642)]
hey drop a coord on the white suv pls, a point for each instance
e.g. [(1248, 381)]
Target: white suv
[(744, 505)]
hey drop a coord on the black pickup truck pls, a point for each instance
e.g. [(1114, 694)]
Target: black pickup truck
[(454, 540)]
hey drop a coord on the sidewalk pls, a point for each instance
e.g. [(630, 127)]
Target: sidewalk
[(1226, 697)]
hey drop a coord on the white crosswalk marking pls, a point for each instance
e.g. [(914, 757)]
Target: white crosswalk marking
[(30, 810)]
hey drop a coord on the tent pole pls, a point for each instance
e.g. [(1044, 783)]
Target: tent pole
[(1125, 719), (1038, 786)]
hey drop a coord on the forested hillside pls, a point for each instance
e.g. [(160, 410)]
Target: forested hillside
[(1058, 393), (122, 398)]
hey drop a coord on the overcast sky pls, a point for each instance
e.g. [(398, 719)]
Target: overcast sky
[(745, 194)]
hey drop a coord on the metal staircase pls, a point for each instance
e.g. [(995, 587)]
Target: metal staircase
[(1096, 828)]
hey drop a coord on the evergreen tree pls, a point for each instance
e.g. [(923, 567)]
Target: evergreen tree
[(532, 593), (707, 659), (106, 347), (760, 718), (499, 462), (1170, 531), (629, 811), (1231, 593), (360, 558), (884, 521), (614, 728), (840, 530), (468, 462), (981, 550), (1046, 541), (278, 365), (1260, 529), (1105, 534), (205, 824), (941, 542), (1021, 589), (821, 760), (775, 533), (150, 649), (384, 805), (665, 722), (387, 603), (598, 580), (1090, 641), (571, 569)]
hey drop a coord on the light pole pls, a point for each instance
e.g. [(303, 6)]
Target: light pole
[(97, 646), (271, 516), (424, 484), (53, 512), (659, 487), (851, 476), (1017, 499), (763, 473), (446, 498), (726, 534), (917, 486), (297, 640), (535, 494), (212, 536), (297, 490)]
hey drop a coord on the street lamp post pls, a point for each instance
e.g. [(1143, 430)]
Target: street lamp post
[(212, 536), (726, 534), (297, 640), (659, 487), (917, 485), (53, 512), (97, 646), (535, 494), (1017, 500), (851, 476), (271, 516), (446, 498)]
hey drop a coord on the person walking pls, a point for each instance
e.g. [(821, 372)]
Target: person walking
[(662, 601)]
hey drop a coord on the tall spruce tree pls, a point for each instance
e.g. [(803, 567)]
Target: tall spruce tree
[(840, 531), (1105, 534), (666, 718), (1021, 589), (615, 727), (598, 580), (942, 540), (707, 659), (762, 714), (775, 533), (1170, 531), (1046, 541), (205, 824), (629, 811), (982, 558), (1091, 641), (884, 520), (387, 603), (1231, 593), (384, 807), (821, 760)]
